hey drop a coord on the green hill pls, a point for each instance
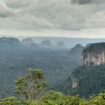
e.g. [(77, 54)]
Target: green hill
[(91, 80)]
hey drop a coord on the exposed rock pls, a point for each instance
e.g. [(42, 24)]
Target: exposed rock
[(74, 82), (94, 54)]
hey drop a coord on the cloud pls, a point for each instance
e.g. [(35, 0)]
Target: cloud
[(40, 15), (96, 20), (5, 11), (87, 1), (15, 4), (81, 1)]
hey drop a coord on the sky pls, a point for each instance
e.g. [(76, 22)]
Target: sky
[(60, 18)]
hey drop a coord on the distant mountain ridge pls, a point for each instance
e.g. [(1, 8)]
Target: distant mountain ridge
[(69, 42), (9, 42), (77, 49)]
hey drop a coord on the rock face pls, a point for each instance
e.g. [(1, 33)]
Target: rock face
[(94, 54), (74, 82)]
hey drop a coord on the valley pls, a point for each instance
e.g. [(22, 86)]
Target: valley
[(56, 65)]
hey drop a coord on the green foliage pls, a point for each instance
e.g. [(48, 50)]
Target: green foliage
[(29, 87), (56, 65), (30, 90), (91, 80), (56, 98), (98, 100), (95, 48), (9, 101), (84, 102)]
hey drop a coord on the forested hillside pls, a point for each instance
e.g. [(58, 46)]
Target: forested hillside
[(87, 79), (56, 64), (90, 80), (31, 90)]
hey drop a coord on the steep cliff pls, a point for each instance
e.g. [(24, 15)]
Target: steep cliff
[(74, 82), (94, 54), (84, 81), (87, 80)]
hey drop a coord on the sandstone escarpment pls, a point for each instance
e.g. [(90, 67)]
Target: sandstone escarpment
[(74, 83), (94, 54)]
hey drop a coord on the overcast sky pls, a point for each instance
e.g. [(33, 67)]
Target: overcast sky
[(67, 18)]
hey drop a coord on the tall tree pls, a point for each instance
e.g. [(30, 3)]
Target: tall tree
[(30, 86)]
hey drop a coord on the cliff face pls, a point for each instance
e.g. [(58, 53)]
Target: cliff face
[(74, 82), (94, 54), (93, 58)]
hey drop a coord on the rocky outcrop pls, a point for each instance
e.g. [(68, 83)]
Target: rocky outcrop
[(94, 54), (74, 82)]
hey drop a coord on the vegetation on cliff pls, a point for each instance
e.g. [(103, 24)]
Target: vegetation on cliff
[(91, 80), (30, 89), (95, 48)]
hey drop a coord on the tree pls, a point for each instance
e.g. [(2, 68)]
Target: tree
[(30, 86), (98, 100), (9, 101), (56, 98)]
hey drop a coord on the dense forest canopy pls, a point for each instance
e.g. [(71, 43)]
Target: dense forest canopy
[(90, 80), (60, 66), (29, 88), (56, 64)]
